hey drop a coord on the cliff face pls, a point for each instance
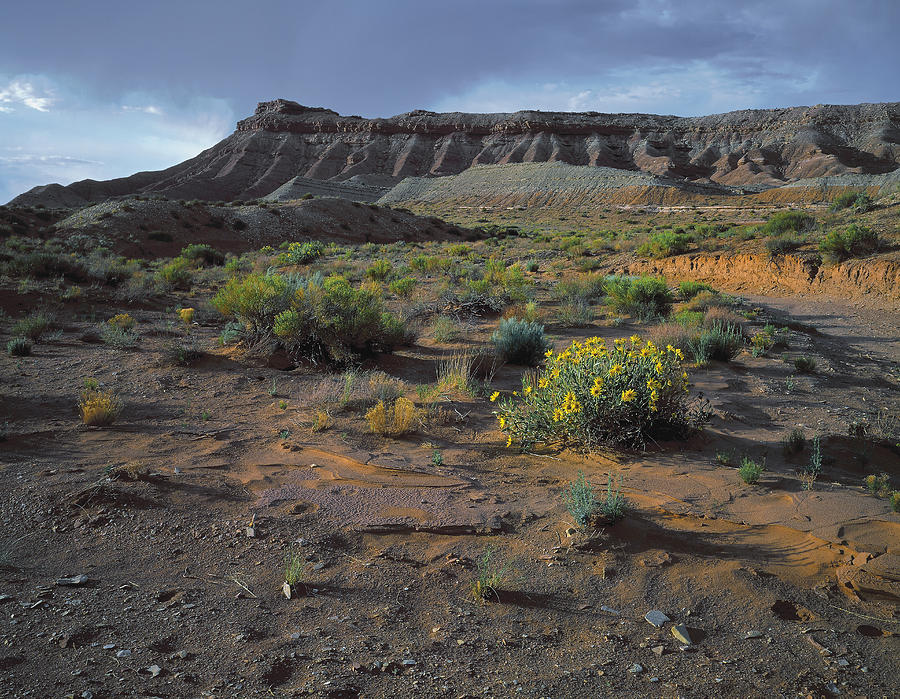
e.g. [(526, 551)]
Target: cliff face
[(283, 140)]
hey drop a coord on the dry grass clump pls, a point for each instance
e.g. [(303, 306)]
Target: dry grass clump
[(398, 419), (674, 334), (454, 374), (719, 315), (98, 408)]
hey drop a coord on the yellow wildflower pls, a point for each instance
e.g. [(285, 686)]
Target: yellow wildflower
[(527, 390), (635, 339), (548, 353), (615, 370), (542, 382), (509, 441), (659, 368), (629, 395), (495, 395), (502, 422)]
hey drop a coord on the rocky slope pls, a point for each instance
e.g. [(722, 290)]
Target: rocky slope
[(752, 149)]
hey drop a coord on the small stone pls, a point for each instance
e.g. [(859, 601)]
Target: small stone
[(86, 694), (181, 655), (109, 646), (843, 662), (154, 670), (124, 653), (74, 581), (753, 634), (656, 618), (286, 589), (318, 566), (609, 610), (832, 688), (657, 650), (636, 668), (654, 679), (681, 632), (251, 532), (408, 662)]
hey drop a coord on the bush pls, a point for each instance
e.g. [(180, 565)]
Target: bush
[(121, 321), (520, 342), (750, 470), (332, 321), (721, 342), (783, 221), (178, 273), (301, 253), (794, 443), (580, 500), (689, 289), (98, 407), (203, 255), (445, 329), (643, 297), (855, 241), (783, 245), (805, 365), (590, 395), (33, 327), (117, 337), (18, 347), (403, 287), (895, 501), (860, 201), (396, 420), (584, 289), (254, 300), (380, 270), (665, 244)]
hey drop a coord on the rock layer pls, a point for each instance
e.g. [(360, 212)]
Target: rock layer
[(752, 149)]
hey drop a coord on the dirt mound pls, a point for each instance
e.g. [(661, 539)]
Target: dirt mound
[(159, 227)]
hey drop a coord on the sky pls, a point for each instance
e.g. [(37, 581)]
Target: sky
[(98, 89)]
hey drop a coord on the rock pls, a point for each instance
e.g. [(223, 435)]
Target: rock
[(74, 581), (608, 610), (681, 632), (656, 618), (181, 655), (251, 532), (124, 653), (636, 668), (753, 634), (286, 589), (408, 662), (154, 670), (658, 650), (109, 646)]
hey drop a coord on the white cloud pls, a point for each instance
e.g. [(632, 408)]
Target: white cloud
[(20, 91), (147, 109)]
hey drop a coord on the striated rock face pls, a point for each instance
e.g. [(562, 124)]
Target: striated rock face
[(749, 149)]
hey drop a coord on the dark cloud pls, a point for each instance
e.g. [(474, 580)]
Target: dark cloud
[(381, 58)]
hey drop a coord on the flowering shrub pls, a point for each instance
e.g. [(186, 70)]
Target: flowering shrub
[(591, 394)]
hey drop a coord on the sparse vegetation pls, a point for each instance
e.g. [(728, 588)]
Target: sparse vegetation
[(643, 297), (580, 500), (489, 577), (520, 342), (18, 347), (397, 419), (98, 408)]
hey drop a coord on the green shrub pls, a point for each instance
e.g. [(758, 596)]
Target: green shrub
[(118, 337), (231, 334), (254, 300), (584, 289), (783, 245), (445, 329), (580, 500), (613, 505), (520, 342), (33, 327), (590, 395), (855, 241), (575, 314), (689, 289), (643, 297), (665, 244), (43, 264), (403, 287), (721, 342), (203, 255), (895, 501), (301, 253), (380, 270), (750, 470), (784, 221), (794, 443), (686, 318), (860, 201), (18, 347), (332, 321), (178, 273), (805, 365), (429, 263)]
